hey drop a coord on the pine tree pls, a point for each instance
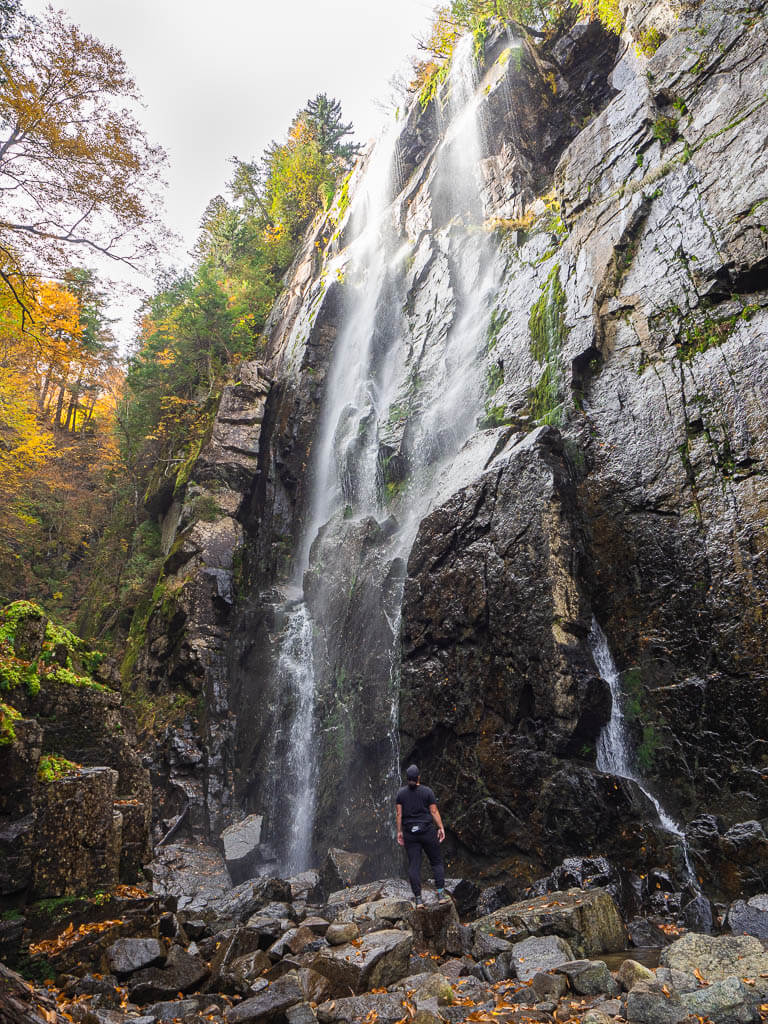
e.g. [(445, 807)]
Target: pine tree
[(322, 116)]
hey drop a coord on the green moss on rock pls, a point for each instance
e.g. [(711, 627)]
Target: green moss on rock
[(549, 333)]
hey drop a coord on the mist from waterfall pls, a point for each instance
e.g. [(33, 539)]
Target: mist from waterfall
[(376, 360)]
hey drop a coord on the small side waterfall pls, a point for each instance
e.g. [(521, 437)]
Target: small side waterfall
[(614, 752)]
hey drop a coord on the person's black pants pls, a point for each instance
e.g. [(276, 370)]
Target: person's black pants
[(427, 841)]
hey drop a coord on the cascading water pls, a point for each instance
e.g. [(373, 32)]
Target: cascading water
[(398, 394), (614, 751)]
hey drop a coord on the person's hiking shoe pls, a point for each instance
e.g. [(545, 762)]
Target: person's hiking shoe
[(442, 896), (419, 903)]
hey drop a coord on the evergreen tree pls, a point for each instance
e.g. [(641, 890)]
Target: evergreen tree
[(322, 117)]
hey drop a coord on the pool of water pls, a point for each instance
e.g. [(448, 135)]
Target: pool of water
[(648, 956)]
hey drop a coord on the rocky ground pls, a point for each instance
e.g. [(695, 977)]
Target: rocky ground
[(293, 951)]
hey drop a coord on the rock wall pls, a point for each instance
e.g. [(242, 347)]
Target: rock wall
[(622, 476)]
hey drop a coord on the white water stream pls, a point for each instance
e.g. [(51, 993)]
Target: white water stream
[(374, 357), (614, 751)]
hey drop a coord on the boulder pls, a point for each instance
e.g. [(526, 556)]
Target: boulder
[(319, 925), (248, 968), (644, 934), (383, 910), (129, 955), (698, 915), (341, 932), (549, 986), (305, 885), (342, 869), (300, 1013), (717, 957), (183, 972), (749, 917), (539, 953), (631, 972), (723, 1002), (241, 842), (589, 920), (589, 977), (431, 927), (376, 960), (648, 1003), (271, 1002), (465, 895), (388, 1007)]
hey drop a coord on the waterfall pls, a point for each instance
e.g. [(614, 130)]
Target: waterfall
[(614, 751), (296, 672), (398, 393)]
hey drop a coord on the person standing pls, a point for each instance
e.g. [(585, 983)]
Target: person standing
[(420, 829)]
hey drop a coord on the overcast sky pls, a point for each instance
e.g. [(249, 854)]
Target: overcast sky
[(224, 78)]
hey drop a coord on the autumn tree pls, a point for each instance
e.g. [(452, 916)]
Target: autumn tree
[(76, 170)]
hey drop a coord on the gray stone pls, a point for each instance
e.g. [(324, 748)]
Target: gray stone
[(631, 972), (274, 1000), (388, 1008), (717, 957), (376, 960), (549, 986), (300, 1013), (647, 1003), (128, 955), (342, 869), (539, 953), (723, 1001), (749, 917), (249, 967), (339, 933), (589, 977), (589, 920), (241, 842)]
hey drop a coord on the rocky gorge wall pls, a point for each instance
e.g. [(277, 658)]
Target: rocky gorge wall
[(617, 470)]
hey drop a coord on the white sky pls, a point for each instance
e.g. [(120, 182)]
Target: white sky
[(224, 78)]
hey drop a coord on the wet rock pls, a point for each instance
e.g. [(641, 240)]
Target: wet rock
[(722, 1001), (241, 842), (378, 911), (717, 957), (539, 954), (305, 885), (248, 968), (589, 977), (644, 934), (485, 945), (749, 917), (302, 939), (319, 925), (699, 916), (431, 927), (388, 1008), (631, 972), (549, 986), (340, 933), (679, 981), (492, 898), (183, 972), (648, 1003), (128, 955), (300, 1013), (375, 961), (597, 1017), (589, 920), (10, 940), (274, 1000), (465, 895), (342, 869)]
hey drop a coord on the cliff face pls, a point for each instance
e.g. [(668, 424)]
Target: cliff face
[(607, 460)]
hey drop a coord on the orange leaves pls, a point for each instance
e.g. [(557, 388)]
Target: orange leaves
[(70, 936)]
